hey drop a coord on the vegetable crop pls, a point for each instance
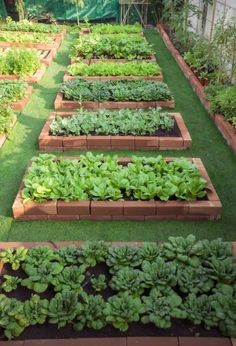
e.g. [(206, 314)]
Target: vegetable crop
[(26, 38), (12, 90), (99, 177), (25, 25), (114, 28)]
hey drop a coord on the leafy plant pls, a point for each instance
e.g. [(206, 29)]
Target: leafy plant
[(216, 248), (38, 255), (128, 279), (122, 310), (40, 277), (194, 280), (7, 116), (21, 62), (116, 90), (223, 271), (36, 310), (116, 46), (63, 308), (10, 283), (12, 90), (114, 28), (122, 256), (91, 253), (99, 283), (14, 257), (150, 252), (12, 318), (123, 121), (26, 38), (91, 313), (160, 309), (67, 255), (70, 278), (102, 68), (25, 25)]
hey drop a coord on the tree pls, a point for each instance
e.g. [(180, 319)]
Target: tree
[(78, 4)]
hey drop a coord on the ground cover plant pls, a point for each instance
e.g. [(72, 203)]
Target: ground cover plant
[(155, 283), (115, 69), (7, 117), (12, 90), (222, 99), (116, 90), (26, 38), (21, 62), (124, 121), (101, 177), (25, 25), (111, 46), (115, 28)]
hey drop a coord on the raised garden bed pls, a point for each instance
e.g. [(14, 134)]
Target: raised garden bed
[(208, 208), (110, 259), (225, 127), (68, 76), (35, 78), (3, 136), (152, 58), (19, 105), (49, 142), (87, 31)]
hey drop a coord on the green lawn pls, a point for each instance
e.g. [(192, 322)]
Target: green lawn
[(208, 144)]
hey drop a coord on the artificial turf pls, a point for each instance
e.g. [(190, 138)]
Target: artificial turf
[(208, 144)]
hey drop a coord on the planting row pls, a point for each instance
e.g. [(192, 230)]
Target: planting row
[(30, 26), (112, 28), (96, 284), (122, 129), (134, 93), (76, 188)]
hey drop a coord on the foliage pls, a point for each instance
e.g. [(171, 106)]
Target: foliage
[(91, 253), (26, 38), (111, 46), (67, 255), (116, 90), (122, 256), (70, 279), (63, 308), (103, 68), (114, 28), (14, 257), (21, 62), (159, 274), (20, 7), (7, 116), (40, 254), (160, 309), (91, 313), (99, 283), (10, 283), (123, 121), (128, 279), (25, 25), (78, 4), (36, 310), (100, 177), (12, 90), (223, 271), (150, 251), (194, 280), (123, 309)]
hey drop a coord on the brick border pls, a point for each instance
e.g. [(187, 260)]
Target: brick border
[(226, 129), (209, 209), (121, 341), (87, 31), (3, 136), (36, 77), (67, 77), (72, 143), (62, 104), (20, 104), (152, 58)]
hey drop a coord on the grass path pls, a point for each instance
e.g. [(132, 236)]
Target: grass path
[(208, 144)]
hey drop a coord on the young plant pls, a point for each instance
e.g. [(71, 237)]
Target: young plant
[(25, 25), (91, 253), (70, 278), (99, 283), (39, 255), (36, 310), (123, 256), (194, 280), (14, 257), (10, 283), (67, 255), (7, 116), (115, 28), (150, 252), (12, 90), (128, 279), (91, 313), (122, 310), (222, 271)]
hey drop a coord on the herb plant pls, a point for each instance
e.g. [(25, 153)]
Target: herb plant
[(123, 121), (70, 278)]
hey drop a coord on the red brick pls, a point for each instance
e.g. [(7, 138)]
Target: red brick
[(88, 105), (18, 208), (107, 208), (171, 142), (50, 148), (63, 217), (75, 141), (73, 207), (161, 217), (146, 142), (51, 141), (152, 341), (128, 104), (205, 208), (96, 217), (108, 105), (78, 342), (172, 207), (139, 208), (128, 218), (122, 142), (200, 341), (43, 208), (165, 104), (99, 141), (33, 217)]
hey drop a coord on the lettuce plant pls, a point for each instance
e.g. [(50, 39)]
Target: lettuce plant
[(122, 256), (91, 253), (14, 257), (12, 90), (150, 252), (36, 310), (194, 280), (159, 274), (128, 279), (10, 283), (38, 255), (26, 25), (99, 283), (67, 255), (223, 271), (70, 278)]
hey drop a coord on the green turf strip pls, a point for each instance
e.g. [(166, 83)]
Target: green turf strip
[(208, 144)]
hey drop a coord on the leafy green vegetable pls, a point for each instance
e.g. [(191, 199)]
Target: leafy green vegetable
[(70, 278), (91, 253), (223, 271), (128, 279), (115, 69), (14, 257), (159, 274), (7, 116), (194, 280), (38, 255), (10, 283), (123, 256), (25, 25), (150, 251), (91, 313), (160, 309), (116, 90), (123, 121), (122, 310), (63, 308), (99, 283), (12, 90), (67, 255), (36, 310), (21, 62), (114, 28), (26, 38), (112, 46)]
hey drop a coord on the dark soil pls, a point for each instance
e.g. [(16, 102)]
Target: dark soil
[(50, 331)]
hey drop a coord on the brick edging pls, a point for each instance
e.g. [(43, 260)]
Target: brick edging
[(20, 104), (61, 104), (67, 77), (226, 129), (92, 61), (72, 143), (209, 209), (31, 79)]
